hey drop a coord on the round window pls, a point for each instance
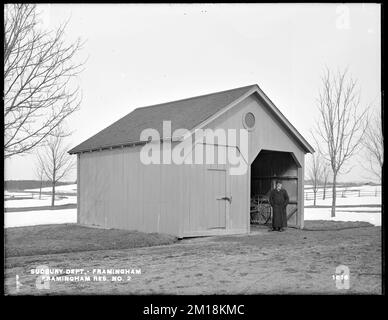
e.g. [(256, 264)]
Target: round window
[(249, 120)]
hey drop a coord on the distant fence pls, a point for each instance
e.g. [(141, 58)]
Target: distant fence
[(24, 195), (309, 195)]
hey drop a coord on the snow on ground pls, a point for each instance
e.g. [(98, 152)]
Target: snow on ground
[(325, 214), (65, 188), (36, 202), (33, 218), (359, 209), (8, 194), (357, 213), (363, 188), (350, 196), (347, 200), (369, 188)]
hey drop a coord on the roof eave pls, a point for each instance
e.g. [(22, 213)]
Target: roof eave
[(254, 89)]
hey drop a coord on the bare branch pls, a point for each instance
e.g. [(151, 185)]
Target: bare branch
[(39, 69), (54, 161), (373, 143), (342, 123), (315, 173)]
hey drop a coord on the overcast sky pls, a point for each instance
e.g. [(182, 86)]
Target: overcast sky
[(147, 54)]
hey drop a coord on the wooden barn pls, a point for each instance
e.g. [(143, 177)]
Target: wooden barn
[(117, 190)]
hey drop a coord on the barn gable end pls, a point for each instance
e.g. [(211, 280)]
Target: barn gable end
[(268, 133)]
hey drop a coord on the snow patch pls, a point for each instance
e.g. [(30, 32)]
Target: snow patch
[(33, 218)]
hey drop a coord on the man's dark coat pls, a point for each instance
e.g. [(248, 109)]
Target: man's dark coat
[(279, 201)]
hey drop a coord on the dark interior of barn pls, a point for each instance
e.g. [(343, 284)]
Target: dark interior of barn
[(268, 167)]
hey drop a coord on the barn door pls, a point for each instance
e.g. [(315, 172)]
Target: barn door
[(217, 199)]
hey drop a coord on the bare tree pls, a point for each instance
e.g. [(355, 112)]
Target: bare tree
[(315, 174), (325, 175), (373, 142), (39, 69), (40, 175), (341, 125), (55, 160)]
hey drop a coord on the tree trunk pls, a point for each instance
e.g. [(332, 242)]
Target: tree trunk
[(334, 195), (53, 191), (53, 195), (324, 190), (315, 198), (40, 189)]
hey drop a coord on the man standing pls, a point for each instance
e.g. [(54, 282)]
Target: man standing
[(278, 199)]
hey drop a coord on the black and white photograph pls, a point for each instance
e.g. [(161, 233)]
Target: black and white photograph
[(193, 149)]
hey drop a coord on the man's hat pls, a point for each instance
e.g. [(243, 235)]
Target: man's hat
[(278, 181)]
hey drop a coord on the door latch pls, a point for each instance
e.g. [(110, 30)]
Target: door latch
[(226, 198)]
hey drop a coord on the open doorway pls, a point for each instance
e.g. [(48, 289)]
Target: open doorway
[(268, 167)]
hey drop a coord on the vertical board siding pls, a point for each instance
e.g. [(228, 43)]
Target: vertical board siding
[(118, 191), (206, 214), (268, 133)]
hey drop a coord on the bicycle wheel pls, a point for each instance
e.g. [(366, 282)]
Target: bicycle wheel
[(264, 215), (269, 215)]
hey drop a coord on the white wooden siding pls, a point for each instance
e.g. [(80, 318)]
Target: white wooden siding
[(117, 191)]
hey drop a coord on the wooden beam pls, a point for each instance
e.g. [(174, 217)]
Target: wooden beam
[(275, 177), (300, 215), (292, 213), (78, 188)]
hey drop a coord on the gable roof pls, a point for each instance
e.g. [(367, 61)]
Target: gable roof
[(188, 113)]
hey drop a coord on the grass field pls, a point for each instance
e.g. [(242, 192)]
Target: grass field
[(51, 239), (327, 225), (290, 262)]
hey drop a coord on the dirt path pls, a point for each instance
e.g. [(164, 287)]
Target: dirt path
[(272, 263)]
